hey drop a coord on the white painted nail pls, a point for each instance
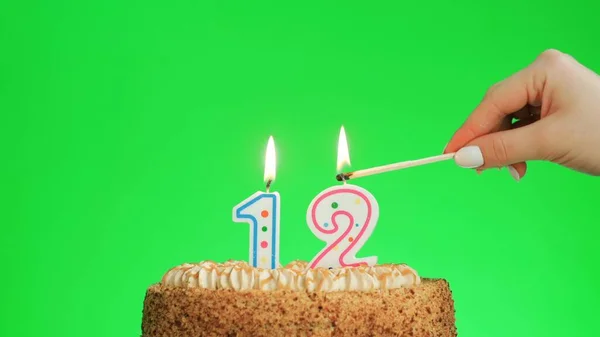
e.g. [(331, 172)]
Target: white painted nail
[(469, 157), (514, 173)]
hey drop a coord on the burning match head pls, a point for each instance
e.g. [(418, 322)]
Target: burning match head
[(344, 176)]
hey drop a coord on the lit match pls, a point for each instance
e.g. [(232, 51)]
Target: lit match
[(393, 167), (466, 157)]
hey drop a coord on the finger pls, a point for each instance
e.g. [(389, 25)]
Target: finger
[(502, 148), (503, 99), (505, 125), (518, 170)]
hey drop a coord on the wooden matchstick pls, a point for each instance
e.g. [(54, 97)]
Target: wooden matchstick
[(393, 167)]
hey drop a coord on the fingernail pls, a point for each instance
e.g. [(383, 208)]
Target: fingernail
[(479, 171), (514, 173), (469, 157)]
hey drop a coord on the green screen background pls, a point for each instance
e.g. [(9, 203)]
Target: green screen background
[(131, 129)]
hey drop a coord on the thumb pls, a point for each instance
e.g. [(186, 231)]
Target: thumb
[(503, 148)]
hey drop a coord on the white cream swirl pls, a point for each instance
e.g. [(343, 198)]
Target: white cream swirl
[(240, 276)]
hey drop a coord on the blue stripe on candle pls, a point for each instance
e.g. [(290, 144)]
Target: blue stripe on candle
[(254, 226)]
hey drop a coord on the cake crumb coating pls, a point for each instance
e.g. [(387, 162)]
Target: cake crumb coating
[(425, 310)]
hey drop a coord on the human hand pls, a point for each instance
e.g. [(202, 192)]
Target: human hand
[(557, 103)]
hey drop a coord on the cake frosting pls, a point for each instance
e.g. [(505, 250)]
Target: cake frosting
[(240, 276)]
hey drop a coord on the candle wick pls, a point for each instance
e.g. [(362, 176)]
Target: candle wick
[(269, 185), (343, 176)]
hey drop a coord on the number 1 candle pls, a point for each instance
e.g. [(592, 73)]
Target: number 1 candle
[(261, 212), (344, 217)]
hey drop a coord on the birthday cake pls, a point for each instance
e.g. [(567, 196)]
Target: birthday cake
[(335, 294), (236, 299)]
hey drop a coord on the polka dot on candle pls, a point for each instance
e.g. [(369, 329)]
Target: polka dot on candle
[(326, 225), (264, 213), (336, 248), (350, 239), (264, 244), (334, 205), (263, 259), (357, 225), (264, 228), (357, 201)]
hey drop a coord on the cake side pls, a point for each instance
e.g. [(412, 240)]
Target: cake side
[(423, 310)]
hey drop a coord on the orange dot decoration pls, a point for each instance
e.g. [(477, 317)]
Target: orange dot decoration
[(264, 213), (350, 239)]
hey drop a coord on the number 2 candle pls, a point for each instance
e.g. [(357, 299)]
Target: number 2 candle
[(344, 217), (261, 212)]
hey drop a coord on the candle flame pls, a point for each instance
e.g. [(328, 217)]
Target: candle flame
[(270, 161), (343, 156)]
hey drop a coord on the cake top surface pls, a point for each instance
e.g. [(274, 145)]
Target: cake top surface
[(240, 276)]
